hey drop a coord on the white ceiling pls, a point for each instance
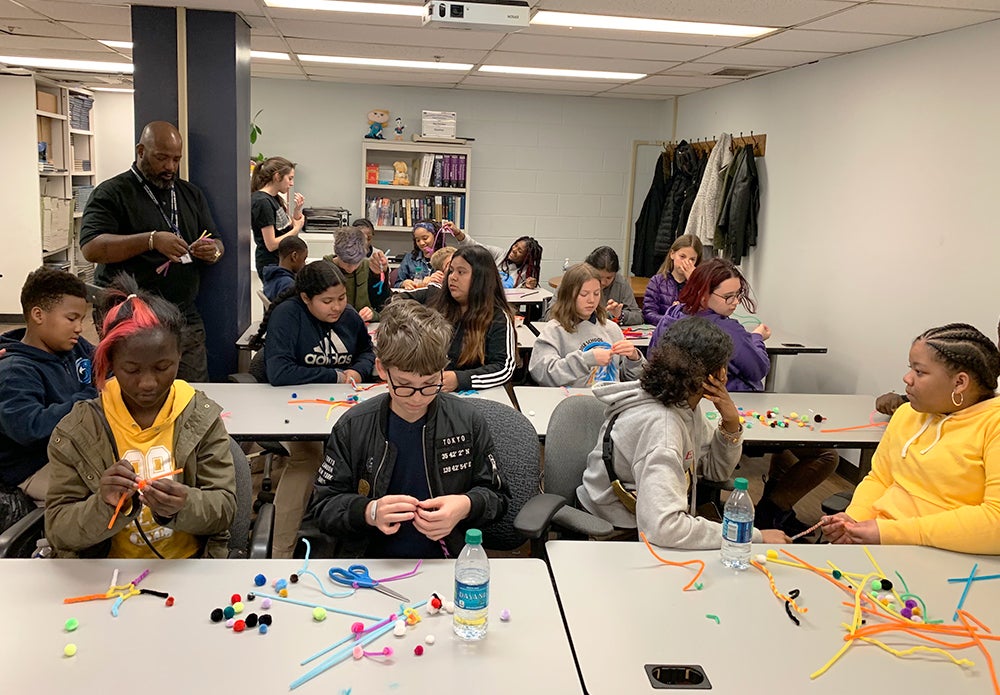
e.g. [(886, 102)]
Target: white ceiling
[(808, 30)]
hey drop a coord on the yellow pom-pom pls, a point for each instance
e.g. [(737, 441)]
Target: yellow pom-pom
[(916, 610), (793, 415), (69, 650), (772, 554), (238, 607), (283, 593)]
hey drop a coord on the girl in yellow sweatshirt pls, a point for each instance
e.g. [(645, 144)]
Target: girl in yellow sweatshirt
[(935, 477)]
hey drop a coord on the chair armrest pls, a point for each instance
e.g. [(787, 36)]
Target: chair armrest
[(262, 531), (535, 517), (22, 532), (717, 484), (584, 522)]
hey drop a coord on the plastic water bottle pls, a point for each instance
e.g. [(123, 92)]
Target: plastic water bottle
[(472, 588), (737, 527), (565, 264)]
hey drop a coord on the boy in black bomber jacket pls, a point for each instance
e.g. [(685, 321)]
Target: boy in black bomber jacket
[(407, 472)]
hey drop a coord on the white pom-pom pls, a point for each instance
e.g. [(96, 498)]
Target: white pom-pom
[(531, 413), (399, 629), (429, 639), (761, 558), (449, 606)]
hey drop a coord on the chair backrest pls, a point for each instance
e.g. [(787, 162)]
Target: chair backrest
[(239, 531), (257, 369), (572, 434), (517, 453)]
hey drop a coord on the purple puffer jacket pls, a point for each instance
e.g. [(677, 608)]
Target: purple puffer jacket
[(749, 364), (661, 293)]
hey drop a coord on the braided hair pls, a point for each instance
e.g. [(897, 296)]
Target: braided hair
[(689, 351), (532, 263), (314, 279), (963, 348)]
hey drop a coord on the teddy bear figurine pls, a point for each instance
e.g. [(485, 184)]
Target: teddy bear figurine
[(378, 119), (400, 178)]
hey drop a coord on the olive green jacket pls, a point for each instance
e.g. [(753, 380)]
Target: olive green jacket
[(76, 518)]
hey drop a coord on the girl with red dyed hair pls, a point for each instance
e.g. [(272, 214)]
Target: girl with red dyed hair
[(713, 291), (144, 424)]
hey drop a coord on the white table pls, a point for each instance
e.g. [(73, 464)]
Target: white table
[(164, 651), (755, 648), (780, 343), (525, 337), (518, 296), (840, 410), (262, 411)]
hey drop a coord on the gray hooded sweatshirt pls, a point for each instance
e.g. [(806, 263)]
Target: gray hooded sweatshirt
[(659, 452)]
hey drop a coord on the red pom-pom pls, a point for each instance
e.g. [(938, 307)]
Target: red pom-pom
[(170, 601), (419, 650), (235, 598), (436, 602), (239, 626), (357, 628)]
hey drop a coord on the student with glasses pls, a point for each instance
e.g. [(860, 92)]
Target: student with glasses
[(713, 291), (407, 472)]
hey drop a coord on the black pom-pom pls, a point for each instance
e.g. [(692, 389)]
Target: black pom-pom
[(251, 596), (817, 418), (217, 615), (251, 620), (294, 579), (886, 585), (265, 619)]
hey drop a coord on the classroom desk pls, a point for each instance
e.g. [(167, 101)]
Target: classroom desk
[(262, 411), (519, 296), (640, 341), (755, 647), (781, 343), (157, 650), (841, 410), (638, 286), (525, 337)]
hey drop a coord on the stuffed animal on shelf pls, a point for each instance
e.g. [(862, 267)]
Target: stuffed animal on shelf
[(401, 178), (399, 129), (378, 119)]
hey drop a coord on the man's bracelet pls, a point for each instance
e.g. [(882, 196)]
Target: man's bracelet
[(151, 235), (374, 511)]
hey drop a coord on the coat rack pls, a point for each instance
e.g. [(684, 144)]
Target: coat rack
[(705, 145)]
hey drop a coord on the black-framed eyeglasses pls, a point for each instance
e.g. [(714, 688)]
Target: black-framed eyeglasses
[(429, 390), (728, 298)]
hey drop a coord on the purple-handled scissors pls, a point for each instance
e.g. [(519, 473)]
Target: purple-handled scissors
[(357, 576)]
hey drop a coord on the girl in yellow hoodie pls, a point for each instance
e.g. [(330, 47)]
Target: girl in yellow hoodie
[(144, 424), (935, 477)]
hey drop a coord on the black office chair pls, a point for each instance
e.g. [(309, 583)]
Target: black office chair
[(836, 503)]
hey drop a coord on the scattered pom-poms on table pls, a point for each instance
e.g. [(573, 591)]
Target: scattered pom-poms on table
[(699, 563)]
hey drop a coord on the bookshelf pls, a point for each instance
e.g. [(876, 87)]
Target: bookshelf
[(394, 208)]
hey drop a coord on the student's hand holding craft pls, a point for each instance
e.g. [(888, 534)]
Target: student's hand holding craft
[(169, 244), (348, 375), (764, 330), (207, 250), (366, 313), (626, 349), (834, 526), (602, 356), (861, 533), (773, 536), (614, 309), (390, 511), (377, 262), (164, 497), (116, 481), (436, 517)]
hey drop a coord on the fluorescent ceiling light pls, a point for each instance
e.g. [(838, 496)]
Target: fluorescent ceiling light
[(385, 62), (556, 72), (341, 6), (62, 64), (669, 26), (127, 45), (120, 90), (269, 55)]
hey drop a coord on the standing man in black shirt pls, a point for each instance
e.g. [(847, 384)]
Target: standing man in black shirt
[(149, 223)]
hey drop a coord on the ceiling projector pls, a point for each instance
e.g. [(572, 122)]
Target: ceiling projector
[(484, 16)]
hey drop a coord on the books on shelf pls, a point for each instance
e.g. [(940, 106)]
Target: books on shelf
[(79, 111), (406, 212), (428, 170), (81, 196)]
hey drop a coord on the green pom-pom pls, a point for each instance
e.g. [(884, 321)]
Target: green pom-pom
[(698, 586), (837, 574), (876, 585)]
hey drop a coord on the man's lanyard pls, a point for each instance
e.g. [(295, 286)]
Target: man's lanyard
[(172, 219)]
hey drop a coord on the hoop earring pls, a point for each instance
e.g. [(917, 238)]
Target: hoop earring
[(959, 402)]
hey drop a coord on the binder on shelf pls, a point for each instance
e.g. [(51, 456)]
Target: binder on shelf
[(438, 176)]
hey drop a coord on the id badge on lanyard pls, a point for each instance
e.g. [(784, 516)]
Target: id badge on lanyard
[(171, 220)]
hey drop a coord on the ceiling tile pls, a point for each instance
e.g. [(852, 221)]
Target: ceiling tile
[(282, 15), (771, 13), (752, 56), (709, 68), (541, 83), (396, 52), (652, 90), (645, 97), (489, 86), (107, 32), (604, 48), (372, 34), (268, 43), (97, 13), (576, 62), (826, 41), (10, 10), (692, 81), (36, 44), (39, 27), (363, 76), (990, 5), (904, 20), (103, 56)]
